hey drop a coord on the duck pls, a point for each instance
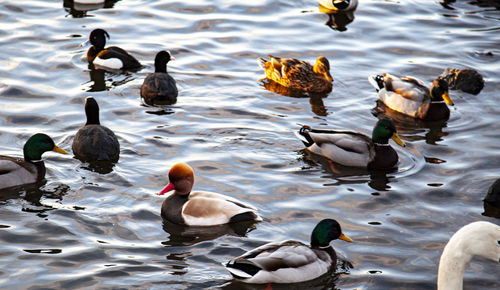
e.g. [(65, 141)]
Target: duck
[(94, 142), (299, 75), (17, 171), (290, 261), (200, 208), (339, 5), (355, 149), (410, 96), (112, 57), (160, 87), (477, 239)]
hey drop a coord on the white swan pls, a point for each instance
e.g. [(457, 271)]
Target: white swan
[(475, 239)]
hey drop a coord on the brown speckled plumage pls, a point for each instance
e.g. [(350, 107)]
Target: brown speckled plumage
[(299, 75)]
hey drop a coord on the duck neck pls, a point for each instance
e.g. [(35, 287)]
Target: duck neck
[(161, 67), (92, 53), (452, 267)]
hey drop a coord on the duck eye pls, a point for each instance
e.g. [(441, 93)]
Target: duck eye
[(498, 242)]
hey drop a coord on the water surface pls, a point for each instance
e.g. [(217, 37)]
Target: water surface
[(93, 228)]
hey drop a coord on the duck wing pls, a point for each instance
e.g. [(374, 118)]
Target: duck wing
[(407, 87), (16, 171), (344, 147), (208, 208), (288, 261)]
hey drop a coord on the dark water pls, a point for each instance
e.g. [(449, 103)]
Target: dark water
[(85, 229)]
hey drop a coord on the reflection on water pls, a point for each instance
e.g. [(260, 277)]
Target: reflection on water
[(186, 236), (316, 100)]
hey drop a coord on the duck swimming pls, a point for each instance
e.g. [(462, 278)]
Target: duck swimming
[(480, 239), (355, 149), (411, 97), (112, 57), (159, 87), (16, 171), (200, 208), (94, 142), (290, 261), (299, 75)]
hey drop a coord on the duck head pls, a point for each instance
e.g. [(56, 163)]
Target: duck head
[(98, 38), (181, 177), (326, 231), (385, 129), (322, 66), (39, 144), (161, 60), (439, 91)]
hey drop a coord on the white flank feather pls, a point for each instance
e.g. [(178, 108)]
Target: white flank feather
[(112, 63), (222, 208), (18, 175), (329, 147), (89, 1), (398, 103)]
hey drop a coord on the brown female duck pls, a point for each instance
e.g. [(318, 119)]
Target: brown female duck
[(299, 75)]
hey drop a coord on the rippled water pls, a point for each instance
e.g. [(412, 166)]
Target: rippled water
[(95, 228)]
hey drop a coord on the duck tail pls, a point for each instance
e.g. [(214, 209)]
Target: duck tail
[(304, 136), (242, 269), (377, 81), (262, 62)]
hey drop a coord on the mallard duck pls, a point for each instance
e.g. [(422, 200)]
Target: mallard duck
[(475, 239), (339, 5), (112, 57), (94, 142), (299, 75), (290, 261), (411, 97), (16, 171), (355, 149), (200, 208), (159, 87)]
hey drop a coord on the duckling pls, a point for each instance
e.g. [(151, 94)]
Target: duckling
[(200, 208), (411, 97), (16, 171), (475, 239), (290, 261), (339, 5), (299, 75), (159, 87), (355, 149), (112, 57), (94, 142)]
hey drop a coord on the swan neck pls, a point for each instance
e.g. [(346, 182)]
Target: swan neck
[(452, 267)]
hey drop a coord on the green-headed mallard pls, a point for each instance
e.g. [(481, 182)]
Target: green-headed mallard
[(112, 57), (159, 87), (475, 239), (290, 261), (200, 208), (355, 149), (299, 75), (411, 97), (339, 5), (16, 171), (94, 142)]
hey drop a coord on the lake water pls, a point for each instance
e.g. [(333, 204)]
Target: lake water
[(101, 228)]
